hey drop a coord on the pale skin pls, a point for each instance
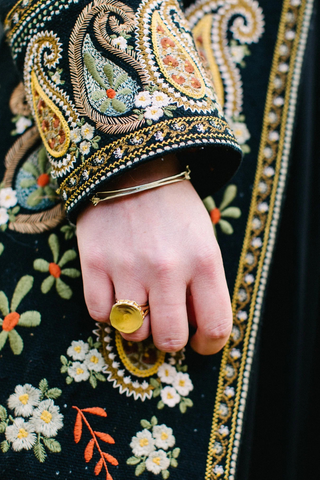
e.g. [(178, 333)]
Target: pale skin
[(157, 246)]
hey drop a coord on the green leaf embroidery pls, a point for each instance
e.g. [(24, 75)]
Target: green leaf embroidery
[(124, 91), (156, 392), (69, 380), (209, 203), (118, 105), (3, 427), (54, 246), (27, 182), (63, 289), (71, 272), (16, 342), (68, 231), (53, 445), (100, 377), (98, 94), (160, 405), (233, 212), (47, 284), (182, 407), (133, 460), (4, 304), (154, 421), (32, 169), (64, 369), (35, 197), (228, 196), (39, 451), (165, 474), (105, 105), (120, 79), (173, 463), (5, 446), (23, 287), (1, 248), (53, 393), (63, 360), (155, 383), (3, 413), (188, 402), (41, 265), (42, 159), (30, 319), (43, 385), (92, 69), (108, 71), (226, 227), (145, 424), (3, 338), (176, 452), (68, 256), (93, 381), (140, 469), (50, 193)]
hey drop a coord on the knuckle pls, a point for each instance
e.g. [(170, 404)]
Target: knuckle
[(170, 344), (164, 267), (218, 331), (98, 314), (208, 261)]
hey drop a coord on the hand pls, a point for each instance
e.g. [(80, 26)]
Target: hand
[(157, 246)]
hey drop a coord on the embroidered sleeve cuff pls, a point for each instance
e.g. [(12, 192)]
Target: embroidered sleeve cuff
[(111, 85)]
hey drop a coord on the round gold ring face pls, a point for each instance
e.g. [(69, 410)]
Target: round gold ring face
[(126, 318)]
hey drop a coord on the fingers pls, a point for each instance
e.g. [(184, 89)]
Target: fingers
[(212, 307), (98, 288), (168, 312)]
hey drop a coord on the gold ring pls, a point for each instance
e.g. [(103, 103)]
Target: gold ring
[(127, 316)]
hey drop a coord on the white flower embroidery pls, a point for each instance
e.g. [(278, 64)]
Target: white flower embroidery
[(21, 435), (269, 171), (241, 132), (8, 198), (160, 99), (229, 392), (118, 153), (158, 136), (167, 373), (4, 217), (79, 372), (120, 42), (182, 383), (157, 461), (153, 113), (75, 135), (256, 242), (87, 131), (223, 430), (142, 444), (22, 124), (163, 437), (94, 360), (143, 99), (47, 419), (242, 315), (200, 127), (218, 470), (249, 279), (78, 350), (24, 400), (170, 396), (85, 147), (235, 353), (263, 207), (229, 371), (238, 53), (56, 78)]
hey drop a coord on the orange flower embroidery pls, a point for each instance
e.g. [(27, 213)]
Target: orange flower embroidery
[(180, 80), (167, 42), (195, 83), (170, 61), (188, 67), (93, 442)]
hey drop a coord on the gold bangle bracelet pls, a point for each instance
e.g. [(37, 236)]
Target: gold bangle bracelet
[(102, 196)]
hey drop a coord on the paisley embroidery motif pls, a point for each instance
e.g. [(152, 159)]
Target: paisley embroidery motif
[(166, 50), (174, 62), (52, 126)]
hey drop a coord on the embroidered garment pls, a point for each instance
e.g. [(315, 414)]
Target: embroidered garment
[(107, 83), (112, 84)]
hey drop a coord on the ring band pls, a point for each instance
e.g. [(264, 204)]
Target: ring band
[(128, 316)]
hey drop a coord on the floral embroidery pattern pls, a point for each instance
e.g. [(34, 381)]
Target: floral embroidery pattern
[(35, 182), (13, 319), (178, 386), (21, 111), (55, 269), (37, 420), (154, 104), (82, 138), (93, 442), (8, 206), (1, 248), (150, 448), (241, 132), (87, 363), (217, 214)]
